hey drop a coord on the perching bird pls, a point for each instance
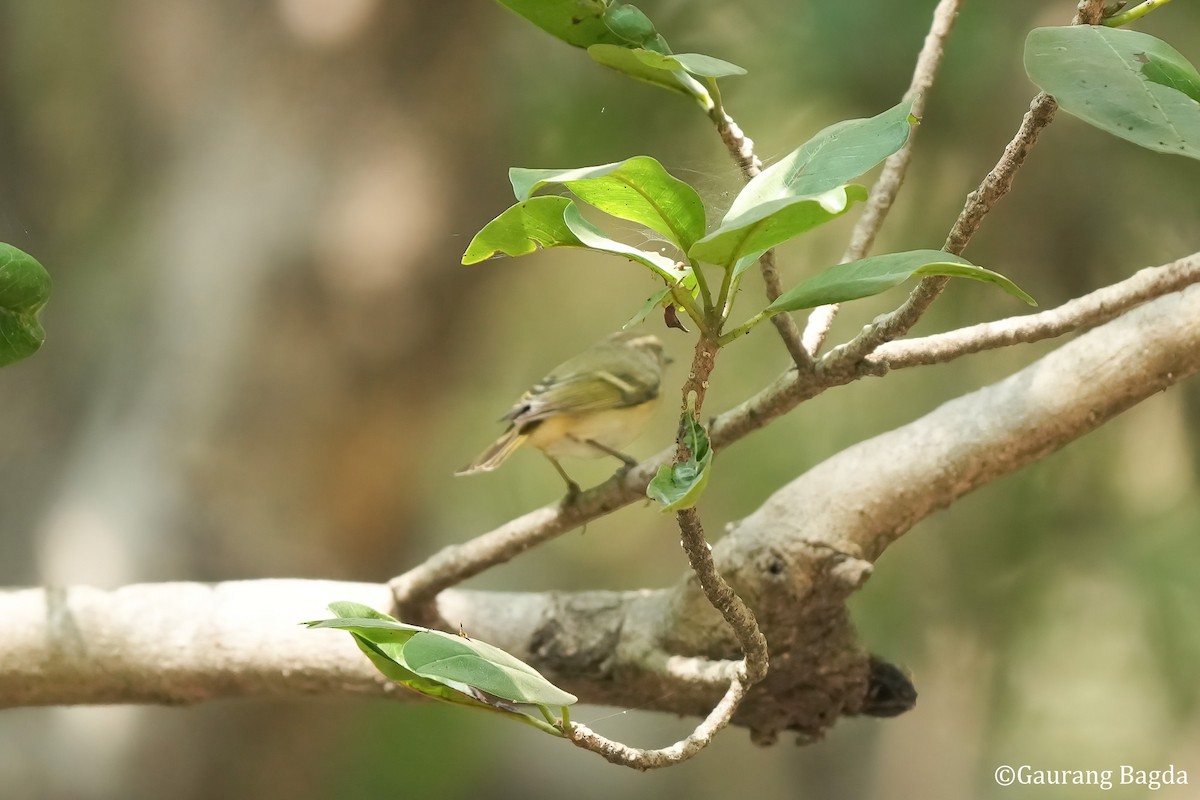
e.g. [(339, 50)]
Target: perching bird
[(588, 406)]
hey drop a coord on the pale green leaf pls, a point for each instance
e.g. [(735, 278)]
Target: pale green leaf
[(871, 276), (745, 237), (1125, 82), (443, 656), (627, 60), (697, 64), (836, 155)]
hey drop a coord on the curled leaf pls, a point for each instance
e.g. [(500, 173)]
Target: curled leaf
[(24, 289), (679, 486)]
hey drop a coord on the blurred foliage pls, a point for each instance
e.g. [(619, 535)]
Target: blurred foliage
[(264, 206)]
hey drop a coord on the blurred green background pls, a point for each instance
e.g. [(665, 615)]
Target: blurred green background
[(263, 359)]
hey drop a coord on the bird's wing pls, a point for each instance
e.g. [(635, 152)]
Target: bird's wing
[(599, 390)]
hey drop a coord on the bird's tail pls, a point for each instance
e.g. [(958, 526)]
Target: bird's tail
[(495, 455)]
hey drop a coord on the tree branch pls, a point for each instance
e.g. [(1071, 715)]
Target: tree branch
[(994, 186), (455, 563), (741, 150), (1084, 312), (884, 191), (795, 561)]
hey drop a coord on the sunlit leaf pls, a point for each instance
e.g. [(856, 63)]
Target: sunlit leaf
[(1125, 82), (554, 222), (871, 276), (637, 189), (743, 238), (836, 155), (679, 486), (24, 289)]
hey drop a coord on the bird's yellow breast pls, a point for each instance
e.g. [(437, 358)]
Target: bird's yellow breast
[(568, 434)]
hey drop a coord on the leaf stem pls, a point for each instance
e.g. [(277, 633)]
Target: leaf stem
[(743, 329), (723, 296), (687, 302), (702, 285), (1133, 14)]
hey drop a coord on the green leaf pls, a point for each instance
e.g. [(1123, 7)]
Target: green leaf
[(634, 28), (695, 63), (651, 303), (554, 222), (594, 239), (446, 657), (679, 486), (836, 155), (1180, 76), (628, 61), (24, 289), (637, 189), (379, 631), (1127, 83), (521, 229), (458, 694), (462, 681), (382, 638), (877, 274), (663, 297), (345, 609), (743, 238), (577, 22)]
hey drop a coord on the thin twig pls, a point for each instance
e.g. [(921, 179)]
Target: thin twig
[(719, 594), (741, 149), (682, 750), (884, 191), (1079, 314), (1133, 14), (979, 202), (733, 609)]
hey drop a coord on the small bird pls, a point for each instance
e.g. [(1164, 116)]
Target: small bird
[(587, 407)]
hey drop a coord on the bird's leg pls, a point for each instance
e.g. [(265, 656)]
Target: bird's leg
[(627, 462), (573, 489)]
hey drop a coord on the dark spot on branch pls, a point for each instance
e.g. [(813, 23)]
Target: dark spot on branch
[(889, 691)]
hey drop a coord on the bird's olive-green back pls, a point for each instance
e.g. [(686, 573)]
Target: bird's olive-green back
[(623, 370)]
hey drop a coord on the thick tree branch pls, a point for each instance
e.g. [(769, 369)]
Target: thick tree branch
[(794, 561), (872, 493)]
